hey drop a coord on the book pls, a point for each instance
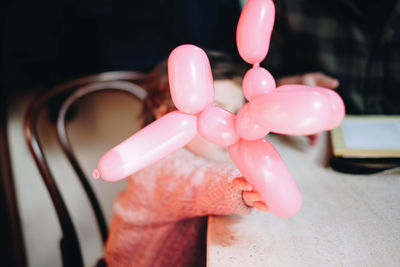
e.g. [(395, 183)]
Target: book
[(367, 136)]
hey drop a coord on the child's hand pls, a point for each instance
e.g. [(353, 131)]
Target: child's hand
[(250, 197), (311, 79)]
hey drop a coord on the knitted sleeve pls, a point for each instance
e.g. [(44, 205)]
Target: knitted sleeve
[(180, 186)]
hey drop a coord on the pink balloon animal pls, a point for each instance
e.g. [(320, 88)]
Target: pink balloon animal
[(289, 109)]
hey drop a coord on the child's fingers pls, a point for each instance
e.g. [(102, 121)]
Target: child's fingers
[(260, 206), (250, 197), (241, 184), (253, 199)]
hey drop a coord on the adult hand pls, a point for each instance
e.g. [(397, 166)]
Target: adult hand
[(312, 79)]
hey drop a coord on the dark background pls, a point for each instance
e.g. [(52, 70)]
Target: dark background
[(48, 42)]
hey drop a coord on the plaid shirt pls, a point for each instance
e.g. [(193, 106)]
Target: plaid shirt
[(346, 42)]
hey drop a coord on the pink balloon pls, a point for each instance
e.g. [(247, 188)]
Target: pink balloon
[(246, 126), (235, 156), (296, 112), (257, 81), (217, 126), (254, 30), (262, 167), (157, 140), (190, 79), (289, 109), (337, 108)]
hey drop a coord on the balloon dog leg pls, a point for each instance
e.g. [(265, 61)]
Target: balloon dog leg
[(263, 167), (157, 140)]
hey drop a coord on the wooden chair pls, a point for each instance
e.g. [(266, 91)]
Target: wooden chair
[(124, 81)]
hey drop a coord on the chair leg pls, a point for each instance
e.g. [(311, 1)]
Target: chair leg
[(71, 254), (101, 263)]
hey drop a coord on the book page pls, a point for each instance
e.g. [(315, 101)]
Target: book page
[(371, 134), (363, 136)]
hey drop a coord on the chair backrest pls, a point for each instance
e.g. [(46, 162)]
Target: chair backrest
[(125, 81)]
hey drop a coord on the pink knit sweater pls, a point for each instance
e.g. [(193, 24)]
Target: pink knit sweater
[(160, 218)]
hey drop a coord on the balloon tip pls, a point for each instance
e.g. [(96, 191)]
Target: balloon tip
[(96, 174)]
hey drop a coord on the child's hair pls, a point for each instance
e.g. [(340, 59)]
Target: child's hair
[(156, 83)]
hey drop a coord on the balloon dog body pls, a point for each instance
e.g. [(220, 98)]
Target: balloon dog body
[(289, 109)]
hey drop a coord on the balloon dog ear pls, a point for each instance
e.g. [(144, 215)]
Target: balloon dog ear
[(254, 30), (190, 79)]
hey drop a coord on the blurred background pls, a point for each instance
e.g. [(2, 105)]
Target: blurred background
[(53, 42)]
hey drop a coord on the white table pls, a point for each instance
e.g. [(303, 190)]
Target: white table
[(345, 220)]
